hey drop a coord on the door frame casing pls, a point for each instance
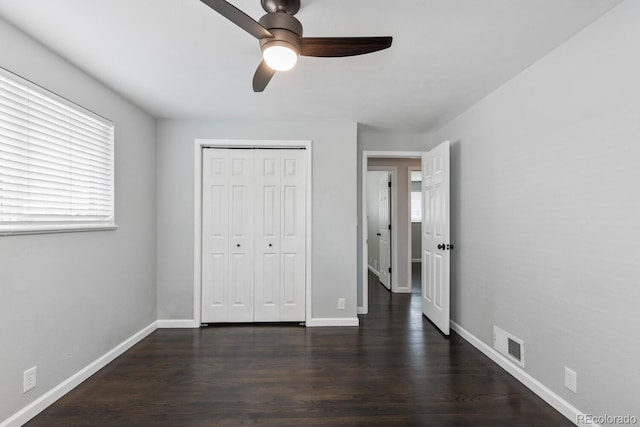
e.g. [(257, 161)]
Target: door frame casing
[(366, 155), (199, 145)]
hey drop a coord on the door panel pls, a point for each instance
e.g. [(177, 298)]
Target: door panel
[(227, 236), (292, 239), (267, 235), (435, 236), (215, 238), (241, 241), (385, 233)]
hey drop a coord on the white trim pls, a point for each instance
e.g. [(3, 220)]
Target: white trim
[(557, 402), (415, 260), (361, 310), (374, 271), (199, 144), (178, 323), (47, 399), (363, 220), (333, 322)]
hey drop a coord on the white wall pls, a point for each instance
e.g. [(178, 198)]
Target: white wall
[(333, 209), (67, 299), (373, 218), (546, 214)]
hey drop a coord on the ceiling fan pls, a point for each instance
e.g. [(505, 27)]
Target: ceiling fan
[(281, 41)]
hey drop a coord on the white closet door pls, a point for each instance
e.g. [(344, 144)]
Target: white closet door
[(280, 235), (227, 243)]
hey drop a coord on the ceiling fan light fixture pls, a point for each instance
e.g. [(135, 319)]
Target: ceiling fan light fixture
[(280, 55)]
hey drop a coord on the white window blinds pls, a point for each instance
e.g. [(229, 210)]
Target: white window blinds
[(56, 161)]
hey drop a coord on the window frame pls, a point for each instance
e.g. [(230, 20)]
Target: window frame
[(47, 227)]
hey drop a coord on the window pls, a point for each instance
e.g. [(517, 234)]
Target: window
[(56, 162), (416, 196)]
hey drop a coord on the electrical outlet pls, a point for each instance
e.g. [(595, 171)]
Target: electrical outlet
[(570, 379), (341, 303), (29, 379)]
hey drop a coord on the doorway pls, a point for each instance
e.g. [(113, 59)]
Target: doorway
[(396, 164), (379, 222), (435, 229)]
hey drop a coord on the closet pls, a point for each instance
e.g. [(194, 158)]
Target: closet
[(253, 235)]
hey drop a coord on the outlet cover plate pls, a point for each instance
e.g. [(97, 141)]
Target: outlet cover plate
[(570, 379)]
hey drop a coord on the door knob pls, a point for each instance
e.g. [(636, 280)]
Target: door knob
[(379, 234), (238, 245), (270, 245), (441, 246)]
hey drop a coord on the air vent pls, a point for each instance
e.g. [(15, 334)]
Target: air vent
[(514, 349), (509, 345)]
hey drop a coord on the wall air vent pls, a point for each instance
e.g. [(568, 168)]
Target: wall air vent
[(508, 345)]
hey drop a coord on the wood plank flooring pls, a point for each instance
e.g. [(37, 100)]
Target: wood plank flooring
[(395, 370)]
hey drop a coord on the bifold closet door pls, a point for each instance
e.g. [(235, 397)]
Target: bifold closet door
[(280, 235), (253, 235), (227, 236)]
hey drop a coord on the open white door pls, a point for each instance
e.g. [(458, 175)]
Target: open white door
[(384, 232), (435, 236)]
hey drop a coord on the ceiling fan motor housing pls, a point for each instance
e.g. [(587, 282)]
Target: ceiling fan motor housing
[(285, 28), (288, 6)]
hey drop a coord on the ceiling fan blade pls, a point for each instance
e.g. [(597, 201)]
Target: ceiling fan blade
[(342, 46), (262, 77), (239, 18)]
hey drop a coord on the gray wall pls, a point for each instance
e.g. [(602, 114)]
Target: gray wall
[(333, 210), (67, 299), (546, 214), (416, 228), (416, 240), (373, 218)]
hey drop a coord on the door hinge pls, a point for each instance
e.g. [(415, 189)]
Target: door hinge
[(389, 269), (389, 184), (389, 227)]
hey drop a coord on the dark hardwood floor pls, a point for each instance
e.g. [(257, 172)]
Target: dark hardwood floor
[(395, 370)]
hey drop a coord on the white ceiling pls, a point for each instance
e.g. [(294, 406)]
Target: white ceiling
[(180, 59)]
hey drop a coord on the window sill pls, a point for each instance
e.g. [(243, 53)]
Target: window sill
[(51, 229)]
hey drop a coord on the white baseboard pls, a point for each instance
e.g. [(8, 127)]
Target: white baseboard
[(560, 405), (373, 270), (361, 310), (403, 290), (178, 324), (47, 399), (416, 260), (337, 321)]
